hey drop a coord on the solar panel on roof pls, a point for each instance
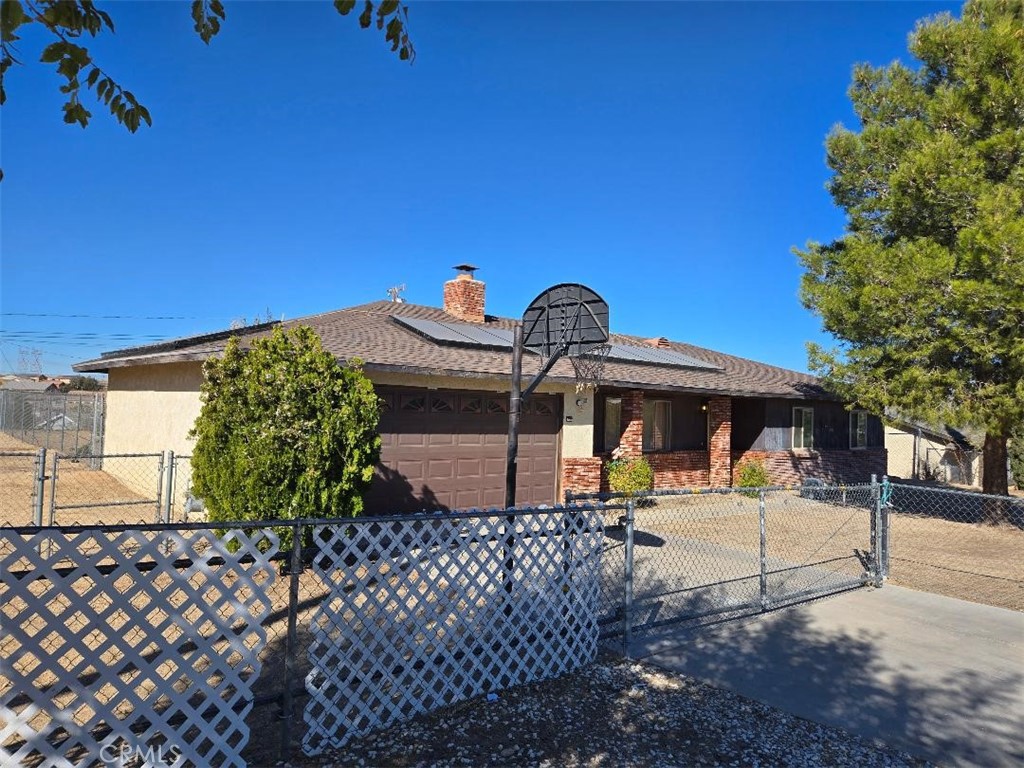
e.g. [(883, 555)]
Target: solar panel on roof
[(458, 333), (471, 335), (656, 356)]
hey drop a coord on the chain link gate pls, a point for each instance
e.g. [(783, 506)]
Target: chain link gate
[(698, 554)]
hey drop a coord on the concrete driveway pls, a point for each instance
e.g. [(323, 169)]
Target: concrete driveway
[(942, 679)]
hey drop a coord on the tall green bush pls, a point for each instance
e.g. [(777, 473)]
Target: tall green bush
[(285, 431), (630, 476)]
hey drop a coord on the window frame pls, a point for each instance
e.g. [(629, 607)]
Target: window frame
[(666, 431), (806, 445), (855, 417)]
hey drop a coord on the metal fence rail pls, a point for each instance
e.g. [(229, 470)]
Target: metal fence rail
[(71, 422), (956, 543)]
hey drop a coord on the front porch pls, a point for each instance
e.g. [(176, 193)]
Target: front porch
[(701, 441)]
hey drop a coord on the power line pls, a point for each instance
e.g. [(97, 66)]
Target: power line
[(106, 317)]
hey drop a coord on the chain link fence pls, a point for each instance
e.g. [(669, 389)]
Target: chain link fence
[(50, 488), (697, 554), (71, 423), (956, 543), (21, 474)]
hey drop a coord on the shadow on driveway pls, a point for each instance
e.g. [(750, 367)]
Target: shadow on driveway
[(940, 678)]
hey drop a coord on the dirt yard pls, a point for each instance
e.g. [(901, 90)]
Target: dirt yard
[(78, 484), (979, 562)]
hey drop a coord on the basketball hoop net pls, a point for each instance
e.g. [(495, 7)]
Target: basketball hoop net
[(589, 367)]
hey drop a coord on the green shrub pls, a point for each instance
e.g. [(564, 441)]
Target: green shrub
[(285, 431), (752, 474), (630, 476)]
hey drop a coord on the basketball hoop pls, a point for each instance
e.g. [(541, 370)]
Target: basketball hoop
[(589, 367)]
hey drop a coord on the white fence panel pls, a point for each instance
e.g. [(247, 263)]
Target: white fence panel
[(429, 612), (130, 646)]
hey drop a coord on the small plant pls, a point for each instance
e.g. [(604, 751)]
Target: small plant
[(752, 474), (630, 476)]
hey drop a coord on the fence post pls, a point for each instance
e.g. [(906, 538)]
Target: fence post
[(53, 489), (97, 419), (168, 487), (876, 531), (627, 596), (287, 703), (159, 488), (763, 525), (886, 521), (39, 488)]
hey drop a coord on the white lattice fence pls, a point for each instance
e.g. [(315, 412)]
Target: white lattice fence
[(139, 646), (428, 612)]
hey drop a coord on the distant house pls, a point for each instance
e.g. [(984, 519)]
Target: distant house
[(45, 386), (921, 452), (443, 378)]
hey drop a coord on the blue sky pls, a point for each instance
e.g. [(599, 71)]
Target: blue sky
[(669, 155)]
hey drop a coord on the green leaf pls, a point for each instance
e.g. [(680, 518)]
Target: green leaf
[(54, 52), (12, 16), (366, 17), (344, 7), (94, 75)]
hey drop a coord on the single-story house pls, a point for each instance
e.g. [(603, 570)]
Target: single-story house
[(36, 386), (944, 454), (443, 377)]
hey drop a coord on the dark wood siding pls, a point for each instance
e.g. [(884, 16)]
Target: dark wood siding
[(769, 426)]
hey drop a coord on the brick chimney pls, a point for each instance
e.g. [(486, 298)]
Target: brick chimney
[(464, 295)]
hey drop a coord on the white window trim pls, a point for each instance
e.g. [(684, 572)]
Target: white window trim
[(800, 421), (854, 415)]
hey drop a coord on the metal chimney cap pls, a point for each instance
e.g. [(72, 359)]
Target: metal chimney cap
[(465, 269)]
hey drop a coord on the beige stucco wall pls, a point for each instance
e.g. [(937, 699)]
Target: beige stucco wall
[(151, 408), (577, 424)]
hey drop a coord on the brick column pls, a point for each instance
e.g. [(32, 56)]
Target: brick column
[(720, 441), (632, 441)]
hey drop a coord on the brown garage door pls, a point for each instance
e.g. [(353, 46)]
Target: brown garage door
[(446, 450)]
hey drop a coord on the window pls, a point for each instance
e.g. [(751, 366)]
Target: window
[(471, 405), (859, 429), (612, 422), (657, 425), (442, 404), (414, 403), (803, 428)]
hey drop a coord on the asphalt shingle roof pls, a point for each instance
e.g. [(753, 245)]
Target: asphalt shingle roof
[(368, 332)]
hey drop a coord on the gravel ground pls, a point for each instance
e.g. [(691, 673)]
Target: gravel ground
[(613, 713)]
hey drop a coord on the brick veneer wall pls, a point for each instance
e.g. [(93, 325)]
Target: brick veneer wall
[(679, 469), (792, 467), (720, 441), (632, 441), (582, 475), (464, 299)]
